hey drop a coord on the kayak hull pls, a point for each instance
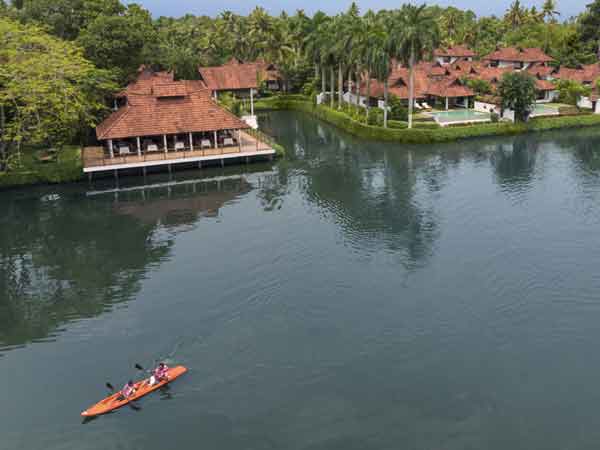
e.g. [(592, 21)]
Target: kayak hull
[(142, 388)]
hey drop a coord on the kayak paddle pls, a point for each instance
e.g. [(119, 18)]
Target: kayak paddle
[(110, 386)]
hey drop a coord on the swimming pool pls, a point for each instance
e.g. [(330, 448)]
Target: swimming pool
[(544, 110), (460, 116)]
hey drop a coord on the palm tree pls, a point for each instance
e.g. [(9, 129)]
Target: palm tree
[(380, 62), (415, 34), (515, 15), (549, 11)]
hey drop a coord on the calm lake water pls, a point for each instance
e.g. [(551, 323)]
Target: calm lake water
[(356, 296)]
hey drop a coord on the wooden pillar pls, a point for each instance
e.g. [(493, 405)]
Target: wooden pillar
[(174, 141), (240, 140), (165, 142), (191, 143), (446, 103), (251, 101), (216, 142), (216, 97), (110, 148), (139, 146)]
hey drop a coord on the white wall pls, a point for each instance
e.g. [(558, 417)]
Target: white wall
[(490, 107), (585, 102)]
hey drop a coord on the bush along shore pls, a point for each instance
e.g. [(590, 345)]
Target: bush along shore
[(40, 167), (422, 134)]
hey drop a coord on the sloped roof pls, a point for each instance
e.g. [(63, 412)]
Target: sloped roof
[(149, 115), (235, 75), (583, 74), (544, 85), (539, 70), (456, 51), (175, 89), (516, 54), (450, 87), (145, 81)]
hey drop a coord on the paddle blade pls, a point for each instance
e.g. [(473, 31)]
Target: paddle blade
[(138, 367), (110, 386)]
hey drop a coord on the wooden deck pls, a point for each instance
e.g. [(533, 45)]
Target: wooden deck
[(95, 159)]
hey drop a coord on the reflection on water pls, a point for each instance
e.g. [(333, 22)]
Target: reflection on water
[(73, 256), (354, 295)]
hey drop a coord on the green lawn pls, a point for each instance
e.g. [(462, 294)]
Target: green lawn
[(66, 167)]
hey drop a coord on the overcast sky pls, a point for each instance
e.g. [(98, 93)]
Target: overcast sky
[(211, 8)]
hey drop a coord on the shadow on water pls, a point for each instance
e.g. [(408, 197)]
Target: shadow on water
[(75, 255)]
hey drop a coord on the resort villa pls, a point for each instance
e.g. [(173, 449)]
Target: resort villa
[(451, 55), (242, 79), (163, 122), (442, 83)]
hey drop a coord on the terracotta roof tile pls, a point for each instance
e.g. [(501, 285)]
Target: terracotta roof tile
[(237, 75), (148, 115), (515, 54)]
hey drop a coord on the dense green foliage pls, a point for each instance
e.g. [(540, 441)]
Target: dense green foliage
[(571, 91), (427, 133), (48, 91), (517, 90), (74, 48), (67, 167)]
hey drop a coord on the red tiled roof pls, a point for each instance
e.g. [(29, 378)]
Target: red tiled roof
[(539, 70), (455, 51), (148, 115), (237, 75), (425, 85), (450, 87), (175, 89), (145, 81), (515, 54), (544, 85), (583, 74)]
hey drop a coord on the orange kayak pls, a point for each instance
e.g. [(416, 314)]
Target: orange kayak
[(142, 388)]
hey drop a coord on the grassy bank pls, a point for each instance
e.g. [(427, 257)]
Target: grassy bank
[(67, 167), (423, 135)]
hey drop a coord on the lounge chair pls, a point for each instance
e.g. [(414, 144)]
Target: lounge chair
[(418, 106)]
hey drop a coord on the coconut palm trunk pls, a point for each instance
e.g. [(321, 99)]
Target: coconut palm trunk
[(3, 145), (385, 103), (368, 93), (340, 86), (411, 86), (323, 80), (332, 74), (357, 87)]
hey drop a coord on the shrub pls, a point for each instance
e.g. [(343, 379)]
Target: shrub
[(494, 117), (397, 110), (375, 117)]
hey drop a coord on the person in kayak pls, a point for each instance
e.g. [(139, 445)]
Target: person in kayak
[(159, 374), (128, 390)]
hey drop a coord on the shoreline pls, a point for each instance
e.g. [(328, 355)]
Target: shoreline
[(423, 135)]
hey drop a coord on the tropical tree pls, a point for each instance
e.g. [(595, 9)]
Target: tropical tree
[(380, 62), (414, 36), (515, 15), (67, 18), (517, 90), (589, 24), (549, 12), (48, 90), (120, 43), (570, 91)]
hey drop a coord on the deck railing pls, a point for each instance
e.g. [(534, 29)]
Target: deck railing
[(96, 156)]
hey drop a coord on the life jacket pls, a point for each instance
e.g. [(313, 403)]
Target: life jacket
[(161, 373), (127, 390)]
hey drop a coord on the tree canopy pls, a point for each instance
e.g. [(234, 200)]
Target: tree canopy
[(48, 90), (517, 90)]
